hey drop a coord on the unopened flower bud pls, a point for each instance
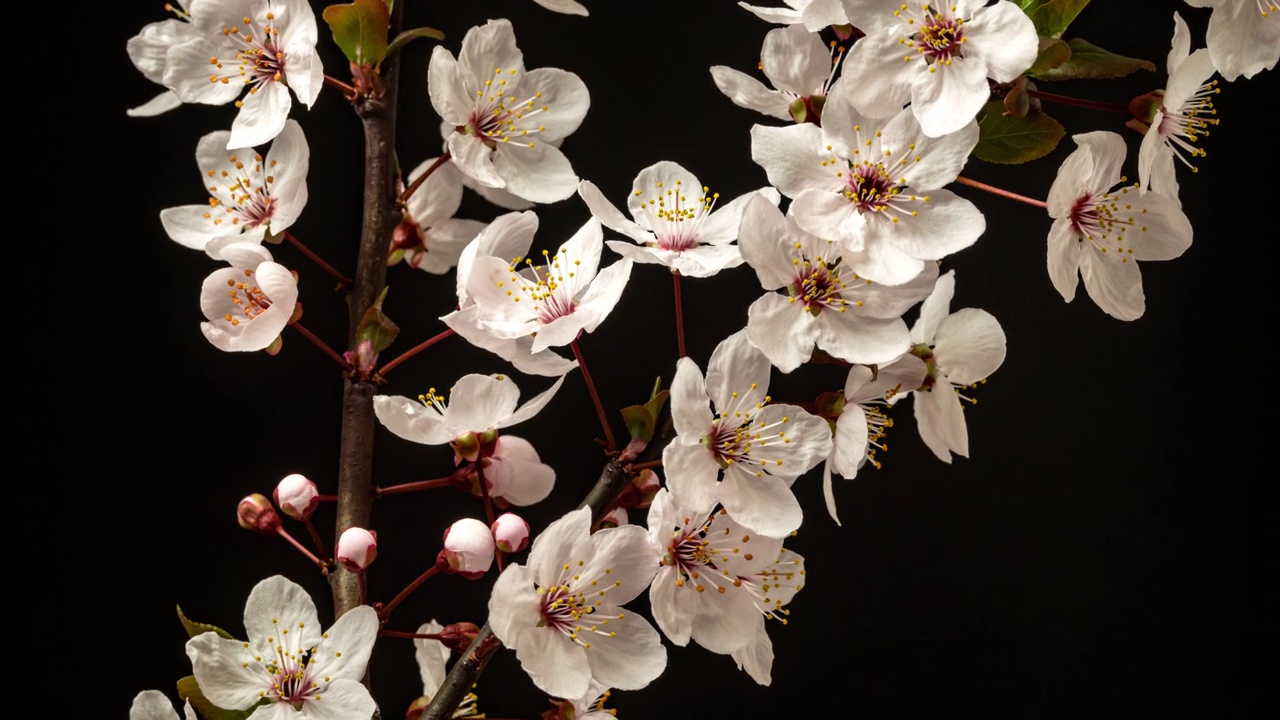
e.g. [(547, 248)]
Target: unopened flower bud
[(468, 549), (417, 708), (364, 359), (465, 447), (458, 636), (510, 533), (255, 513), (297, 496), (357, 549), (616, 517)]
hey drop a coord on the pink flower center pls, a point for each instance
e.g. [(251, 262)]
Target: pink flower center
[(673, 218), (817, 286), (1104, 222), (258, 59), (870, 187), (499, 117), (940, 36), (245, 197), (250, 299)]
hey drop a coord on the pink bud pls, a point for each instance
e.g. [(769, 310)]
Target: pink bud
[(357, 549), (365, 357), (510, 533), (468, 548), (616, 517), (458, 636), (255, 513), (297, 496)]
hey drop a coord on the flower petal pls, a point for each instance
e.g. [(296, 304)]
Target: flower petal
[(411, 420), (629, 655), (748, 92), (970, 345)]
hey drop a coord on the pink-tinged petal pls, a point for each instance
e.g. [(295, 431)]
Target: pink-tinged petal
[(1072, 182), (691, 472), (1191, 75), (884, 79), (445, 242), (673, 605), (497, 196), (722, 225), (565, 97), (489, 52), (935, 309), (259, 332), (527, 482), (840, 118), (690, 406), (830, 215), (849, 442), (884, 264), (276, 604), (541, 173), (624, 558), (756, 657), (474, 159), (767, 242), (341, 700), (186, 73), (578, 259), (1160, 229), (1114, 283), (559, 332), (516, 351), (1064, 258), (792, 157), (410, 420), (604, 293), (644, 255), (158, 105), (724, 621), (940, 419), (705, 260), (795, 60), (608, 213), (533, 406), (783, 329), (926, 163), (480, 402), (554, 662), (440, 195), (432, 656), (188, 226), (944, 225), (852, 336), (514, 609), (494, 288), (660, 179), (970, 345), (947, 97), (764, 504), (738, 373), (305, 73), (262, 116), (343, 652), (148, 50), (445, 85), (1108, 151), (508, 237), (226, 671), (287, 163), (626, 653), (890, 302), (1004, 38), (893, 380), (565, 540), (748, 92)]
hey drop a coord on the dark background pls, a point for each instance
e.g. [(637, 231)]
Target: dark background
[(1100, 554)]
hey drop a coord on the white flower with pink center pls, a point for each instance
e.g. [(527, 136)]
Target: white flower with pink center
[(265, 46), (249, 303), (508, 121), (798, 64), (937, 57), (874, 186), (773, 587), (250, 196), (476, 404), (288, 667), (431, 238), (676, 221), (562, 611), (1101, 231), (552, 301), (1243, 36), (735, 447)]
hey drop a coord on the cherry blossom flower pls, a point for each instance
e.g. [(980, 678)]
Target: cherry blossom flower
[(153, 705), (148, 51), (562, 614), (862, 421), (937, 56), (554, 302), (827, 304), (267, 46), (957, 350), (288, 662), (516, 474), (1102, 232), (250, 196), (874, 186), (733, 446), (1243, 36), (508, 121), (1183, 117), (509, 236), (813, 14), (430, 238), (692, 237), (249, 303), (795, 61), (476, 404)]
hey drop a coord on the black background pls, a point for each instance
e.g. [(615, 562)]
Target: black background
[(1100, 554)]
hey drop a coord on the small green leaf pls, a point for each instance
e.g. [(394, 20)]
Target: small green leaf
[(376, 327), (1052, 17), (639, 421), (360, 29), (188, 690), (408, 36), (194, 628), (654, 406), (1053, 52), (1090, 62), (1015, 140)]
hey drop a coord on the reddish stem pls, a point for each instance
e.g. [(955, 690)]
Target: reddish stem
[(386, 609), (646, 465), (344, 282), (417, 182), (409, 635), (322, 564), (347, 91), (1002, 193), (321, 344), (364, 588), (610, 444), (675, 278), (413, 486), (327, 498), (1079, 102), (315, 537), (414, 351)]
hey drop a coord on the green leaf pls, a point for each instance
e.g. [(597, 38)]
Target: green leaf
[(1090, 62), (1052, 17), (360, 29), (1015, 140), (1053, 52), (408, 36), (375, 326), (188, 690), (194, 628), (639, 421), (654, 406)]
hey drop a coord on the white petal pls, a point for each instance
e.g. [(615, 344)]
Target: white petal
[(851, 336), (791, 157), (764, 504), (673, 606), (737, 368), (935, 308), (431, 656), (604, 293), (186, 73), (692, 472), (565, 97), (342, 699), (439, 196), (489, 52), (945, 98), (1112, 283), (152, 705), (608, 213), (690, 406), (565, 540), (946, 224), (514, 609), (445, 85), (623, 557), (554, 662), (1004, 38), (474, 159), (632, 659), (410, 419), (783, 329), (970, 345), (261, 117), (748, 92), (1064, 258), (541, 173), (795, 60), (722, 225), (766, 241), (1160, 229), (940, 420), (884, 80), (226, 671)]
